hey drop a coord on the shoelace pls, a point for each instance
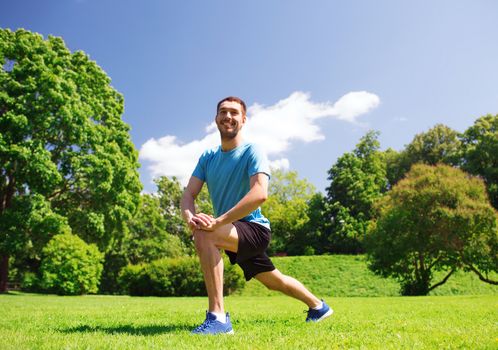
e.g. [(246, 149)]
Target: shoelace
[(309, 312), (204, 325)]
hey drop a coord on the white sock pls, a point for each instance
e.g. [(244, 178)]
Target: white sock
[(220, 317), (319, 306)]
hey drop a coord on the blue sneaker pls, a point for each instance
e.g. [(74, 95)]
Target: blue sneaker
[(212, 326), (319, 315)]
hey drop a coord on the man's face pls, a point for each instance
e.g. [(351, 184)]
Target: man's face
[(230, 119)]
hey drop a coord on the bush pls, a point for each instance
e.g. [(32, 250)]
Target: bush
[(174, 277), (31, 282), (70, 266)]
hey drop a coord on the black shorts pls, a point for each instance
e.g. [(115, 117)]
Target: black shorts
[(251, 256)]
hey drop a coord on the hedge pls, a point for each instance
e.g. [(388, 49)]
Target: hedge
[(174, 277)]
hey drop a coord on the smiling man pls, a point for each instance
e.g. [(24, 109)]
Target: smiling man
[(237, 175)]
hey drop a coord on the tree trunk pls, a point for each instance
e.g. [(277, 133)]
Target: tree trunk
[(4, 272)]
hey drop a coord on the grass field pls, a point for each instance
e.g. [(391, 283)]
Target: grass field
[(348, 276), (120, 322)]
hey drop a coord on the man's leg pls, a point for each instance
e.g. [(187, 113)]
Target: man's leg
[(275, 280), (208, 245)]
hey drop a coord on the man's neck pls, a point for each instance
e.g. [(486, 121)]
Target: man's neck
[(228, 145)]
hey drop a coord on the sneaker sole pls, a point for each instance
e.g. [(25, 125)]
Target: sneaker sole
[(327, 314), (229, 333)]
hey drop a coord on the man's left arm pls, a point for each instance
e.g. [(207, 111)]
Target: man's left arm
[(257, 194)]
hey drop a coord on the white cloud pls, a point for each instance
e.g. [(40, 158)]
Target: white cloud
[(282, 164), (274, 127)]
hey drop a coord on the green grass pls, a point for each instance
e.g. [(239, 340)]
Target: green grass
[(348, 276), (119, 322)]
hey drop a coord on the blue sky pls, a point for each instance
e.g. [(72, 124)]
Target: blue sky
[(317, 74)]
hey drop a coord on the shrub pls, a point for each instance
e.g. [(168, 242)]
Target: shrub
[(70, 266), (31, 282), (174, 277)]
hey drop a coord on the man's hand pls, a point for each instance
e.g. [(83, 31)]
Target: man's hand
[(203, 221)]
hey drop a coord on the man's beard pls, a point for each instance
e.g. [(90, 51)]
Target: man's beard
[(228, 135)]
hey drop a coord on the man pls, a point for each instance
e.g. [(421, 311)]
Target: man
[(237, 175)]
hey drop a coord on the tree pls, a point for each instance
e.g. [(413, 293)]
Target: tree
[(149, 238), (286, 208), (480, 153), (62, 138), (357, 180), (169, 192), (439, 144), (312, 240), (26, 227), (437, 218)]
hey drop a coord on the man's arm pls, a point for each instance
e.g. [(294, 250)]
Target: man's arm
[(187, 204), (257, 194)]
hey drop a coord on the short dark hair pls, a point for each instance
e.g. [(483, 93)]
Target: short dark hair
[(232, 99)]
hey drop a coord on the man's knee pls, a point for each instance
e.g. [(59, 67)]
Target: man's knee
[(201, 239)]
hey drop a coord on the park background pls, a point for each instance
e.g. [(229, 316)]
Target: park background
[(345, 98)]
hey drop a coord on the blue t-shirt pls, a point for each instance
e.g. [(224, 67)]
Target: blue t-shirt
[(227, 175)]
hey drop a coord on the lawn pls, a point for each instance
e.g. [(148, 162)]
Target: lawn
[(100, 322), (349, 276)]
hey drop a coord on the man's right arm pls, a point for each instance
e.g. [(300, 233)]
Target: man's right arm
[(187, 203)]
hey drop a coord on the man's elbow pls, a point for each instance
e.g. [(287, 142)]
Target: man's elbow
[(259, 194), (263, 197)]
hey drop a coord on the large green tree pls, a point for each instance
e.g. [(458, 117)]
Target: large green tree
[(480, 153), (62, 143), (357, 180), (436, 218)]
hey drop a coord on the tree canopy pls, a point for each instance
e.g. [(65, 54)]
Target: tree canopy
[(440, 144), (62, 142), (480, 153), (357, 180), (436, 218)]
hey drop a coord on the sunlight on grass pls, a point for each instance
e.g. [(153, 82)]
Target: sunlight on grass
[(52, 322)]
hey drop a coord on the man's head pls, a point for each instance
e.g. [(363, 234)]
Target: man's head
[(232, 99), (230, 116)]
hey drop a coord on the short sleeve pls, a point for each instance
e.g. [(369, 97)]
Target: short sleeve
[(200, 169), (258, 162)]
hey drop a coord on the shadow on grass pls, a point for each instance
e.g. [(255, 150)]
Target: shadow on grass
[(129, 329)]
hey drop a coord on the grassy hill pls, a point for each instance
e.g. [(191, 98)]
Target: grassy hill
[(348, 276)]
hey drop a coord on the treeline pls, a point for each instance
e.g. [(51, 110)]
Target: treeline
[(306, 222), (73, 220), (429, 207)]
